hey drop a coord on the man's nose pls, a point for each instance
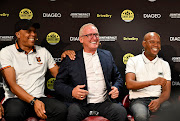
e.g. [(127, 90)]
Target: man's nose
[(94, 36)]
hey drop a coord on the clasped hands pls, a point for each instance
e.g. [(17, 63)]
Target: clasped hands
[(159, 81)]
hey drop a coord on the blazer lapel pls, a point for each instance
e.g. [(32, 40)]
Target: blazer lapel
[(81, 64), (103, 62)]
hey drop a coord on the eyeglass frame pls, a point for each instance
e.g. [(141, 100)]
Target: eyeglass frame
[(94, 34)]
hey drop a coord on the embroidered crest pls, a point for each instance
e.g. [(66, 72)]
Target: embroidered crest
[(38, 59)]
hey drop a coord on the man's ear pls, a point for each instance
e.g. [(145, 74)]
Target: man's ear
[(17, 34), (144, 44), (81, 39)]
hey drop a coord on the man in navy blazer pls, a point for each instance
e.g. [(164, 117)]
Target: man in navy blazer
[(88, 80)]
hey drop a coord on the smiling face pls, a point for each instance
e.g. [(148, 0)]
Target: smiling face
[(152, 45), (89, 37), (26, 38)]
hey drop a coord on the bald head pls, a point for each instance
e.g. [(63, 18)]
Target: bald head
[(150, 35), (151, 44)]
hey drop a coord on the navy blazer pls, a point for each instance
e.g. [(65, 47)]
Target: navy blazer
[(73, 73)]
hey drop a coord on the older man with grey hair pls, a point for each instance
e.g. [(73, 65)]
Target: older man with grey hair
[(87, 80)]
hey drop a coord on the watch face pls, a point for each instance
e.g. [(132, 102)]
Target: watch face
[(32, 101)]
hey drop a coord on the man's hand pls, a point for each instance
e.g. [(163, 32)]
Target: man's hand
[(79, 93), (154, 105), (114, 92), (70, 53), (159, 81), (39, 108), (1, 111)]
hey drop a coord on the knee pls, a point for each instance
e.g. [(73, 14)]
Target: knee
[(118, 112), (14, 113), (140, 115), (61, 108), (74, 110), (75, 113), (117, 108), (165, 105), (13, 116), (140, 111)]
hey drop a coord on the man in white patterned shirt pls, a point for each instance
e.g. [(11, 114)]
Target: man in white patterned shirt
[(23, 66)]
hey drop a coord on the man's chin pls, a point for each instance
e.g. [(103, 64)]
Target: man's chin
[(31, 45), (154, 52), (95, 48)]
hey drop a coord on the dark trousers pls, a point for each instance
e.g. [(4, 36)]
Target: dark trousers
[(18, 110), (107, 109)]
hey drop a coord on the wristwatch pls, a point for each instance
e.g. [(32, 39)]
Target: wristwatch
[(32, 101)]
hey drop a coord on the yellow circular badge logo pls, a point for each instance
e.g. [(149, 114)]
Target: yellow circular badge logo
[(127, 15), (25, 14), (126, 57), (50, 83), (53, 38)]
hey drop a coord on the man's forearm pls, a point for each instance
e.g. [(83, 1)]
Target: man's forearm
[(163, 97), (134, 85), (165, 92), (10, 77), (21, 93)]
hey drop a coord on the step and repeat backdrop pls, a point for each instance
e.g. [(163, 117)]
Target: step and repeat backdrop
[(122, 25)]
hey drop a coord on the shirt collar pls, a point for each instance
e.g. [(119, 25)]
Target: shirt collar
[(89, 54), (21, 50), (146, 60)]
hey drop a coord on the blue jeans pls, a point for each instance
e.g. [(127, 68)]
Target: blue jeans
[(139, 108), (18, 110), (107, 109)]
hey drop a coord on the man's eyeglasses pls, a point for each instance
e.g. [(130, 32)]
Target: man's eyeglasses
[(90, 36)]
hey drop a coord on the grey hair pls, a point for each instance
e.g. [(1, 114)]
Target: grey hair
[(82, 28)]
